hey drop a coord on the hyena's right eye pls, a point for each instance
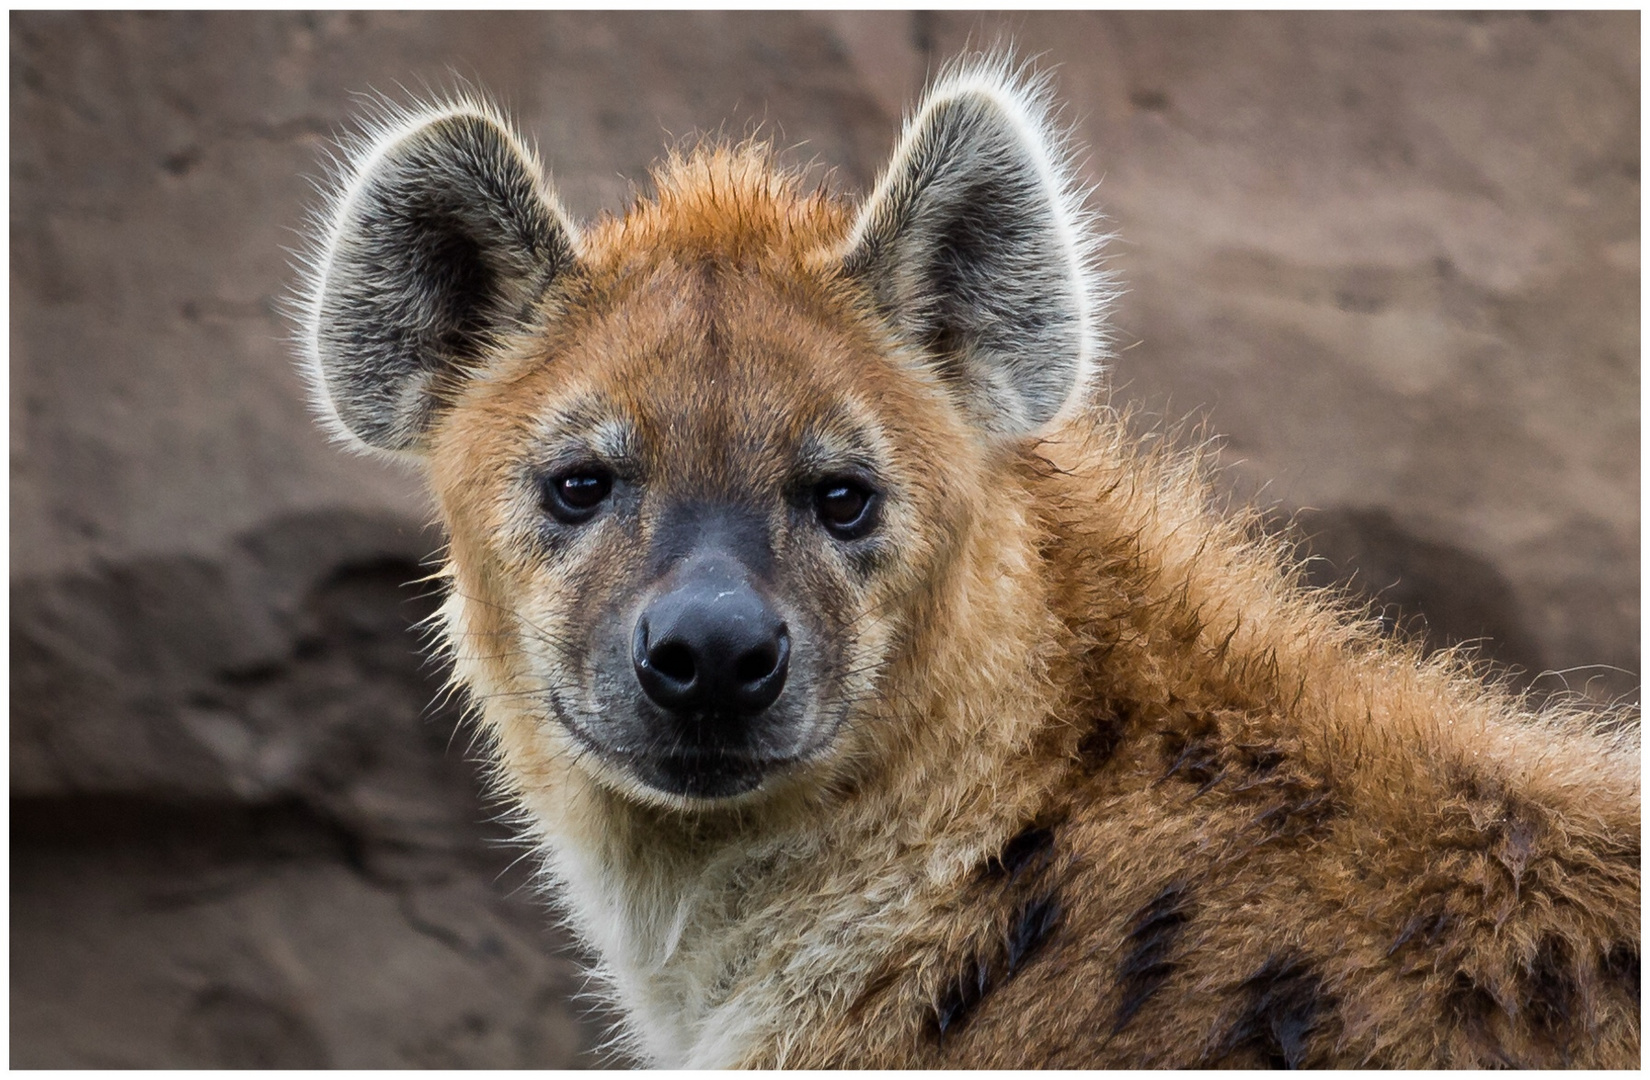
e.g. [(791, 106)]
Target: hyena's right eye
[(846, 507), (573, 497)]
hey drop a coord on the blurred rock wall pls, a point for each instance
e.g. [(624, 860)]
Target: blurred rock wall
[(1392, 258)]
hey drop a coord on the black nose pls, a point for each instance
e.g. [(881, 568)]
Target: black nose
[(711, 644)]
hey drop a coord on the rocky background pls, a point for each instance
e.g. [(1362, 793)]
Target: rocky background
[(1392, 258)]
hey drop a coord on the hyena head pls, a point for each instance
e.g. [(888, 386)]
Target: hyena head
[(700, 464)]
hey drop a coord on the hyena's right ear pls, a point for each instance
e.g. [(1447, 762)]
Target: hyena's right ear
[(976, 247), (440, 238)]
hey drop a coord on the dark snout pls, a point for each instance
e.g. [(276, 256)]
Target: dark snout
[(712, 654), (711, 646)]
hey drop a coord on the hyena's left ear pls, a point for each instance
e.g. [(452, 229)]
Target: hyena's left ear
[(441, 236), (976, 246)]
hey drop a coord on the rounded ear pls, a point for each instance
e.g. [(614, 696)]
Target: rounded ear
[(976, 246), (441, 236)]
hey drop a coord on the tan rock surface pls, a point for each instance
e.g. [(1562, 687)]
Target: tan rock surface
[(1393, 258)]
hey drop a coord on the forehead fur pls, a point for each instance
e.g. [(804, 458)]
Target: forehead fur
[(717, 300), (731, 203)]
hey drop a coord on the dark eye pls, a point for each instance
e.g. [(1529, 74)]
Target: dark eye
[(573, 497), (846, 507)]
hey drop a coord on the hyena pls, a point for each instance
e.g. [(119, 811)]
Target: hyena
[(874, 698)]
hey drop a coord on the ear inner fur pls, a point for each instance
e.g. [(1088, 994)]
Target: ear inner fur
[(436, 247), (976, 246)]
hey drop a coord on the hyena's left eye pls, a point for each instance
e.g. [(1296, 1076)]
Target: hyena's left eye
[(846, 507), (574, 496)]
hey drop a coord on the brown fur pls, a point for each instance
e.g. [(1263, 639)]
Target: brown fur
[(1442, 880), (1113, 788), (1267, 814)]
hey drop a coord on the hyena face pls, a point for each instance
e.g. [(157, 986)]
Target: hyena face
[(695, 499), (699, 464)]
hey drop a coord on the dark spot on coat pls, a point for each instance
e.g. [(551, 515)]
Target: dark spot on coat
[(1551, 985), (1298, 806), (1030, 926), (961, 995), (1260, 760), (1621, 965), (1099, 744), (1285, 1005), (1151, 939), (1289, 802), (1032, 844), (1192, 755)]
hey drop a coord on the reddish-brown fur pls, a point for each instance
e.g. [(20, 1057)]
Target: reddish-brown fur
[(1117, 789), (1435, 876)]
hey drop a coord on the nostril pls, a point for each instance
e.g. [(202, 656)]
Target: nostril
[(674, 661), (759, 673), (757, 664)]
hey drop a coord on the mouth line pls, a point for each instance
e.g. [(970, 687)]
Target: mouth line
[(722, 757), (684, 755)]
